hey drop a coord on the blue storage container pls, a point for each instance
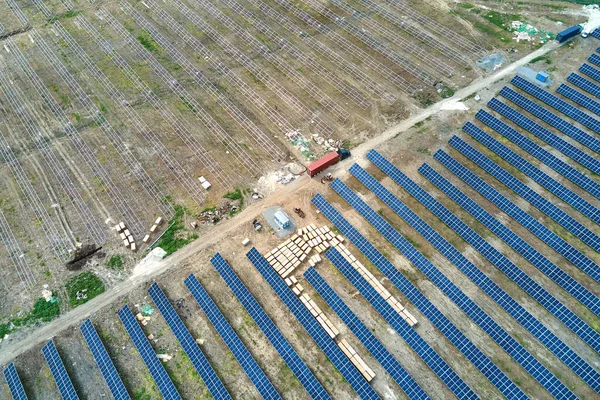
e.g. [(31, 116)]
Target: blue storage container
[(568, 33), (542, 76)]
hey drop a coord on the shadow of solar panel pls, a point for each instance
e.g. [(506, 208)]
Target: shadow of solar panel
[(161, 378), (551, 119), (14, 383), (189, 345), (566, 170), (314, 329), (468, 306), (557, 103), (543, 334), (283, 347), (549, 183), (375, 347), (109, 372), (535, 227), (231, 339), (58, 371), (458, 387)]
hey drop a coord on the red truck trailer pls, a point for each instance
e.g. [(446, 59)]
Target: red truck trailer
[(322, 163)]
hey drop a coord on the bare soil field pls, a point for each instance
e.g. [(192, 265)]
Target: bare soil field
[(110, 111)]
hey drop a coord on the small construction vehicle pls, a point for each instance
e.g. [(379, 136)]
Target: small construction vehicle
[(257, 225), (327, 178), (299, 211)]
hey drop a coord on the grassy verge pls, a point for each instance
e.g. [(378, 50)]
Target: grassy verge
[(176, 236), (115, 263), (42, 311), (87, 284)]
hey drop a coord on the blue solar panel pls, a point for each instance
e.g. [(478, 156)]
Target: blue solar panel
[(189, 345), (557, 103), (231, 339), (164, 383), (14, 383), (537, 200), (576, 96), (535, 227), (596, 34), (586, 85), (59, 373), (410, 291), (551, 119), (543, 179), (375, 347), (468, 306), (541, 154), (314, 329), (591, 71), (109, 372), (283, 347), (544, 335)]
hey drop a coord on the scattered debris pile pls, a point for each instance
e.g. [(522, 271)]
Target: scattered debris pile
[(491, 62), (216, 214), (523, 31)]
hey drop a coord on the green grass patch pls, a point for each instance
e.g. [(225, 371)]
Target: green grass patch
[(176, 236), (115, 263), (500, 19), (235, 195), (42, 311), (149, 44), (466, 6), (87, 285), (541, 58), (65, 15)]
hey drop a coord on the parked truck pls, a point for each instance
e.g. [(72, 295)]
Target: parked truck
[(568, 33), (327, 161)]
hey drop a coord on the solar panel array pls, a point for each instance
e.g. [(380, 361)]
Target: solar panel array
[(537, 200), (283, 347), (231, 339), (162, 379), (375, 347), (59, 373), (109, 372), (468, 306), (557, 103), (543, 179), (312, 326), (578, 97), (591, 71), (461, 389), (14, 383), (189, 345), (538, 229), (551, 119), (560, 166), (512, 307)]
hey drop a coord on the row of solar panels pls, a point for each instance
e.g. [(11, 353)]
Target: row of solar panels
[(543, 334), (587, 208)]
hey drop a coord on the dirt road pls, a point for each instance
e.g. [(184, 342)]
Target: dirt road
[(11, 350)]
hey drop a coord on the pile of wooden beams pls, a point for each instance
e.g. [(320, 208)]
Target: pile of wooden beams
[(392, 301)]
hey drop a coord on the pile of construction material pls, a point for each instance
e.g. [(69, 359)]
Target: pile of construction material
[(392, 301), (319, 315), (290, 254), (356, 360), (152, 229), (126, 236)]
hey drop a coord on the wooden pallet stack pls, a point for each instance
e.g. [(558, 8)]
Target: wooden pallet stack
[(126, 236), (392, 301), (356, 359)]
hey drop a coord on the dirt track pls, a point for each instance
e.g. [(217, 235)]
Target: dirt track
[(14, 349)]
